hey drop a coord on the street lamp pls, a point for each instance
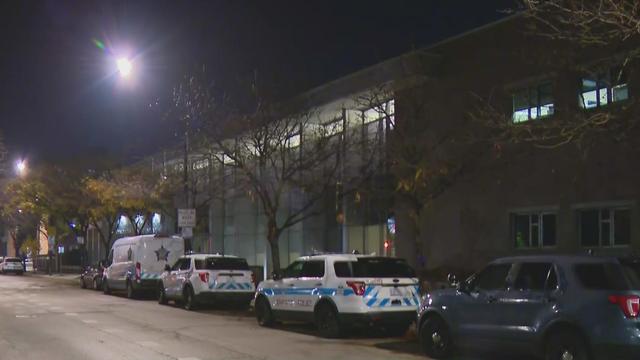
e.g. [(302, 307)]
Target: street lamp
[(124, 66), (21, 167)]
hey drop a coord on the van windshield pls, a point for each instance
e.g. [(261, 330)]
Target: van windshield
[(376, 267), (220, 263)]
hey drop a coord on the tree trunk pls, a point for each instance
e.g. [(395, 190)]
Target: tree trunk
[(273, 236)]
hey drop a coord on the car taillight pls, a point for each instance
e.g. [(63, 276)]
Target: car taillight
[(629, 304), (204, 277), (138, 271), (357, 286)]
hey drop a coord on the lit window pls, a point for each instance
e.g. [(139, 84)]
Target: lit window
[(333, 128), (378, 112), (534, 229), (605, 227), (532, 103), (227, 160), (603, 89), (293, 141)]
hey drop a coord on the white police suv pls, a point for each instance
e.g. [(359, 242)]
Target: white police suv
[(340, 290), (207, 278)]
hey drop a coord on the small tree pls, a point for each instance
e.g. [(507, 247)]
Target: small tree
[(105, 208), (423, 158)]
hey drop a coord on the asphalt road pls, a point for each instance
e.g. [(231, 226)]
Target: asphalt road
[(42, 318)]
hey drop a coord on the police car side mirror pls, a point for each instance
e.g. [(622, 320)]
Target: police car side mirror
[(275, 276), (167, 268)]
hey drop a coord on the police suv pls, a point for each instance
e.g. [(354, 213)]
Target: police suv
[(337, 291), (207, 278)]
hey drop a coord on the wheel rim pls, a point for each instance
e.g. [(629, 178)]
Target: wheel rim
[(327, 321), (435, 338), (567, 354)]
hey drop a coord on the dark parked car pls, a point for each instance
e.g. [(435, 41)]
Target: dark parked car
[(554, 307), (91, 277)]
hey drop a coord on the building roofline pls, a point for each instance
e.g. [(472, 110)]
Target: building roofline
[(474, 30)]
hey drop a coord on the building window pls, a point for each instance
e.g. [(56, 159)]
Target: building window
[(293, 141), (605, 227), (532, 103), (335, 127), (384, 110), (604, 88), (533, 229)]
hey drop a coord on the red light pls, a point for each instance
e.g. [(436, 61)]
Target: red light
[(204, 277), (357, 286), (138, 271), (629, 304), (386, 244)]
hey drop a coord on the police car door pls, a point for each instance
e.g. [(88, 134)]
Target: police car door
[(171, 279), (182, 275), (284, 291), (309, 286)]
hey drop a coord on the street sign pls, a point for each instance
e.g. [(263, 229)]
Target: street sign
[(186, 218), (187, 232)]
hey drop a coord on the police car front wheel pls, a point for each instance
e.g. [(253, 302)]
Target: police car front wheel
[(327, 322), (263, 312)]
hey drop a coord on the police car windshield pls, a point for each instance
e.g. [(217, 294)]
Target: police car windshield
[(214, 263), (374, 267)]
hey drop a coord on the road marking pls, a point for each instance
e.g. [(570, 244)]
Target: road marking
[(89, 321), (71, 314), (25, 316), (112, 330), (148, 343)]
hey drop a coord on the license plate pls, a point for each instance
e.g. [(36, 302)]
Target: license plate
[(396, 292)]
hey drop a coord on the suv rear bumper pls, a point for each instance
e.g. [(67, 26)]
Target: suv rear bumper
[(146, 284), (399, 318), (14, 271)]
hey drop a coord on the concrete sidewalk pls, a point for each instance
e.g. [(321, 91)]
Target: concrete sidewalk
[(71, 279)]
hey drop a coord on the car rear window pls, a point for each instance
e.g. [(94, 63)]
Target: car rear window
[(220, 263), (374, 267), (12, 260), (601, 276)]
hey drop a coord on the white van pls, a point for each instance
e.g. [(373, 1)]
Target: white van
[(136, 263)]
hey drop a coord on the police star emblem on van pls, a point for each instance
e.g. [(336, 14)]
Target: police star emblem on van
[(162, 253)]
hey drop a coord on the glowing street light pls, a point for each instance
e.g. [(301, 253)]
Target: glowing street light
[(21, 167), (124, 66)]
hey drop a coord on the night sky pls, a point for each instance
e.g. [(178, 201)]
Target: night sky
[(60, 95)]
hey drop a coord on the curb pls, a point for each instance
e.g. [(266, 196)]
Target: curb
[(56, 278)]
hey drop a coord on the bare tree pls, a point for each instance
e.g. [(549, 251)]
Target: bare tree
[(423, 157), (286, 161), (587, 22)]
